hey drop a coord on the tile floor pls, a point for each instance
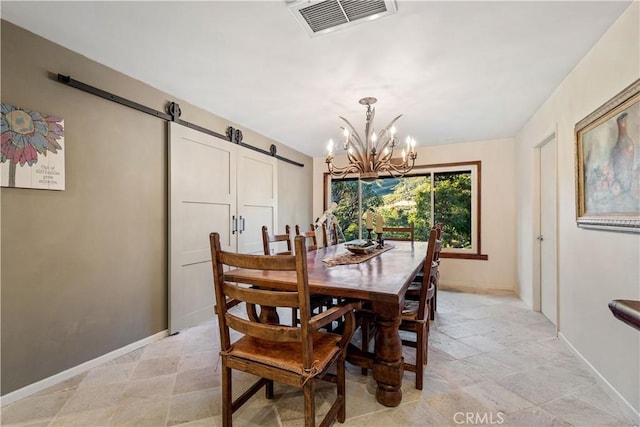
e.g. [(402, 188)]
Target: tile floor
[(488, 357)]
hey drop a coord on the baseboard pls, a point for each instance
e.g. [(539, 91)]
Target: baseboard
[(455, 287), (72, 372), (628, 410)]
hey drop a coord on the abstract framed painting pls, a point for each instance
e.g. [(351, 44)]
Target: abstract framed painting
[(608, 164), (31, 154)]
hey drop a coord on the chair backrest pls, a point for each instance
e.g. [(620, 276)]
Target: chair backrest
[(311, 234), (436, 254), (428, 272), (263, 292), (332, 237), (399, 233), (268, 239)]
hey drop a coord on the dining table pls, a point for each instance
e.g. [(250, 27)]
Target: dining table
[(381, 281)]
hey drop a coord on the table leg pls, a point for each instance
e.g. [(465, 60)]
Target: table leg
[(388, 366), (269, 315)]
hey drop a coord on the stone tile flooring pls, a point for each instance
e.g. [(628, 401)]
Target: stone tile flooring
[(491, 362)]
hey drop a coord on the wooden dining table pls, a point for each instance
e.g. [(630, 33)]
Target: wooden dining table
[(382, 281)]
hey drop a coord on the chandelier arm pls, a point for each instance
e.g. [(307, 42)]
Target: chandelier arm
[(358, 158), (385, 145), (350, 167), (384, 159), (385, 131), (353, 134), (401, 169), (355, 161), (340, 172), (394, 173)]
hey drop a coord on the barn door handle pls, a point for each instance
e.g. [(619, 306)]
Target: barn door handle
[(234, 224), (241, 224)]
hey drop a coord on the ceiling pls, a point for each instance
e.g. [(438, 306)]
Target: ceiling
[(457, 71)]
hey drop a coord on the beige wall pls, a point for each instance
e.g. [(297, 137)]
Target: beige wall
[(594, 267), (84, 271), (498, 273)]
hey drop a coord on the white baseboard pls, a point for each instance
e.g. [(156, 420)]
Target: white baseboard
[(72, 372), (464, 287), (628, 410)]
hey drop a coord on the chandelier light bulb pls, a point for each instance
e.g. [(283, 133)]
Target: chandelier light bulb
[(330, 146), (374, 137), (392, 131)]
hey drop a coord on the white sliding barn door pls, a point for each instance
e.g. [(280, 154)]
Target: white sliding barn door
[(202, 199), (257, 199)]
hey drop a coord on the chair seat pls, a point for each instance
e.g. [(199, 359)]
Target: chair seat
[(414, 288), (411, 307), (287, 355), (420, 276)]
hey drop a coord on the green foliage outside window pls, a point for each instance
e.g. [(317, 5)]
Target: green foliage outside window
[(345, 194), (452, 203)]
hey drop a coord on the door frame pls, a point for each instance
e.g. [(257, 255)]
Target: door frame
[(537, 223)]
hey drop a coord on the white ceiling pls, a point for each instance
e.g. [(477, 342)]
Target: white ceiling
[(458, 71)]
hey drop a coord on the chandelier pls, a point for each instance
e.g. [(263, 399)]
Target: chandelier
[(372, 155)]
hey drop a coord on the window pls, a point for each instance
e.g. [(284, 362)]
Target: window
[(447, 194)]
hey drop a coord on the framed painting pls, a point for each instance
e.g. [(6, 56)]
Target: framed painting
[(32, 149), (608, 164)]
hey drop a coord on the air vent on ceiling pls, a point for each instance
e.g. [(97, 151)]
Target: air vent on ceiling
[(321, 17)]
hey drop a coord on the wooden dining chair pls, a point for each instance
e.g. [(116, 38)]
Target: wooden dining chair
[(310, 236), (415, 319), (318, 302), (414, 289), (406, 234), (330, 236), (293, 355), (436, 276), (269, 239)]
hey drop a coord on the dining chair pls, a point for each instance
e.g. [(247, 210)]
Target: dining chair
[(269, 239), (414, 288), (331, 239), (294, 355), (330, 236), (309, 235), (415, 319), (406, 234), (436, 278), (317, 301)]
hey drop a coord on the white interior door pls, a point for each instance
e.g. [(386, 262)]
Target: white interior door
[(202, 199), (257, 199), (547, 238)]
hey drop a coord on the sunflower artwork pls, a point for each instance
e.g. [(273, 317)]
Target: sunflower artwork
[(31, 152)]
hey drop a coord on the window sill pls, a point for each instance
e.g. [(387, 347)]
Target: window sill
[(457, 255)]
